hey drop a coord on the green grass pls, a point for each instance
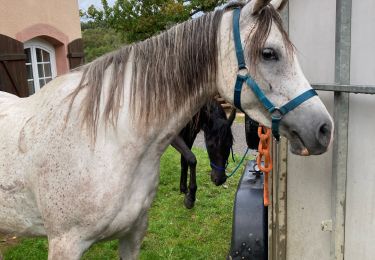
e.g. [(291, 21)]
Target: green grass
[(174, 232)]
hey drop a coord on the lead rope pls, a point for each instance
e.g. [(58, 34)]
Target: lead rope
[(264, 159), (239, 164)]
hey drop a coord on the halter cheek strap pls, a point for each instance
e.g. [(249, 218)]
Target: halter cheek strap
[(277, 113)]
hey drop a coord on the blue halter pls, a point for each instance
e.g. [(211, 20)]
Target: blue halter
[(277, 113), (219, 168)]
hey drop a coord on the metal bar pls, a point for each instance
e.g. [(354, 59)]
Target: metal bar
[(356, 89), (341, 117), (339, 174)]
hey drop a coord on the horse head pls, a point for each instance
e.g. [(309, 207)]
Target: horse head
[(219, 140), (274, 77)]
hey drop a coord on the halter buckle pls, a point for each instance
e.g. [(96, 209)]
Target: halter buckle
[(243, 71), (276, 114)]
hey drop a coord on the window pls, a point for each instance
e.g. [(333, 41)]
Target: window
[(40, 64)]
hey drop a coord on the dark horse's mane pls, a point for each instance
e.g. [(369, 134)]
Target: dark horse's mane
[(209, 114), (181, 62)]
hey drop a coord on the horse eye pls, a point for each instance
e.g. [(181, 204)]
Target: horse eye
[(269, 54)]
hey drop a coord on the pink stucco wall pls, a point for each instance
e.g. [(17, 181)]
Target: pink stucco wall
[(56, 21)]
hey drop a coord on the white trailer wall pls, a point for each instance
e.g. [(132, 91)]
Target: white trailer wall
[(309, 182), (360, 205)]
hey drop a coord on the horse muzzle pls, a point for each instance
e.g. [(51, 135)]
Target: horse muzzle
[(218, 177), (312, 138)]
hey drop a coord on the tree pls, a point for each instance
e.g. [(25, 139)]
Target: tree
[(98, 41), (137, 20)]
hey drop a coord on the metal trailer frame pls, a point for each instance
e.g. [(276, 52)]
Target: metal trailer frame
[(278, 209)]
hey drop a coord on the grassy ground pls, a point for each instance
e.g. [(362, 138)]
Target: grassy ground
[(174, 232)]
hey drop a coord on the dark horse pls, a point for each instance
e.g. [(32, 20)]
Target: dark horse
[(219, 140)]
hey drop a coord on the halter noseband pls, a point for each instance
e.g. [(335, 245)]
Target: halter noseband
[(277, 113), (219, 168)]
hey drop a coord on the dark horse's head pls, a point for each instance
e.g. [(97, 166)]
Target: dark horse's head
[(219, 139)]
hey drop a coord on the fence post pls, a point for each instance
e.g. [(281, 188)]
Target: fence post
[(341, 115)]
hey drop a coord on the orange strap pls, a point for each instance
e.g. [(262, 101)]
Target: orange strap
[(264, 156)]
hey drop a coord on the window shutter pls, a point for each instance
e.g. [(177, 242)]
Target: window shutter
[(13, 77), (75, 53)]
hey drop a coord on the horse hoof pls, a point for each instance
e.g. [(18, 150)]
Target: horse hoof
[(189, 203)]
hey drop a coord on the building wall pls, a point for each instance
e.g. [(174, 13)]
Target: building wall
[(56, 21)]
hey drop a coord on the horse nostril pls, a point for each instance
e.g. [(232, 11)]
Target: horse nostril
[(324, 134)]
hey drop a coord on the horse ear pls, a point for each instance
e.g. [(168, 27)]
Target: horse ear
[(279, 4), (232, 116), (258, 5)]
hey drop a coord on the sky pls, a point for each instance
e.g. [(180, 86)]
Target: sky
[(84, 4)]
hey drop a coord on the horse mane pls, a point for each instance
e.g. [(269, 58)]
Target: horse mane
[(208, 119), (222, 132), (167, 68), (219, 128)]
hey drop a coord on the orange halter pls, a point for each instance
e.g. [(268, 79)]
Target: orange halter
[(264, 156)]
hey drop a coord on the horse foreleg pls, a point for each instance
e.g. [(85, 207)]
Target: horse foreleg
[(187, 156), (67, 247), (190, 196), (184, 174), (130, 244), (179, 144)]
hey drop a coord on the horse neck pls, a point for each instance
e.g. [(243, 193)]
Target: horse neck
[(156, 139)]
